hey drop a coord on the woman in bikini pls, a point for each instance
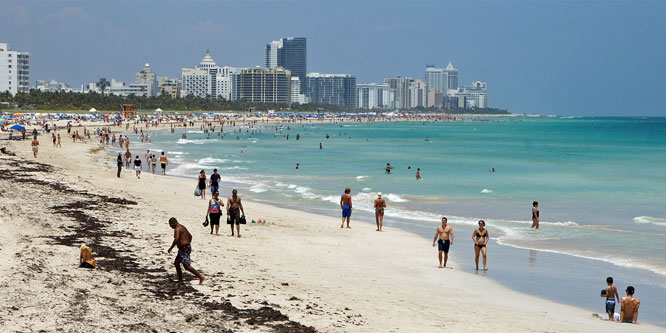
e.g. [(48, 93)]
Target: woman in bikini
[(535, 215), (480, 238)]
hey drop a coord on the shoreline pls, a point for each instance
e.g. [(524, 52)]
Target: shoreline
[(290, 249)]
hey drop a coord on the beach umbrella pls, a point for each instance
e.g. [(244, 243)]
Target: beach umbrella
[(92, 110), (17, 127)]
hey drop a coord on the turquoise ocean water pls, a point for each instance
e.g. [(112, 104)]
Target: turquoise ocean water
[(600, 182)]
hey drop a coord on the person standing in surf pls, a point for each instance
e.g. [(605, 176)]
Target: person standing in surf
[(535, 215), (380, 205), (346, 206), (480, 238)]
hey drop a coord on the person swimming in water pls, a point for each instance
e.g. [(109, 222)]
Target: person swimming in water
[(418, 173), (380, 205), (480, 238), (388, 168)]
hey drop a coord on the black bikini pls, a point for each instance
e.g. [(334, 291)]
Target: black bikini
[(478, 235)]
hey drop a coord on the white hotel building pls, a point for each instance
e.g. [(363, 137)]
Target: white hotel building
[(210, 80), (14, 70)]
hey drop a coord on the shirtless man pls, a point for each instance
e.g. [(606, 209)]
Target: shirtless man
[(380, 205), (183, 239), (35, 147), (234, 204), (445, 234), (163, 162), (128, 159), (630, 304), (346, 205)]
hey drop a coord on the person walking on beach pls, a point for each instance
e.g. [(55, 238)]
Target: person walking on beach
[(128, 157), (611, 297), (445, 234), (234, 211), (380, 205), (163, 163), (346, 205), (480, 238), (53, 138), (59, 145), (202, 184), (120, 163), (183, 240), (35, 146), (137, 167), (214, 212), (214, 181), (535, 215), (630, 304)]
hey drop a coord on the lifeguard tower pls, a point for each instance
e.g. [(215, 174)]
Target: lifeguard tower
[(129, 111)]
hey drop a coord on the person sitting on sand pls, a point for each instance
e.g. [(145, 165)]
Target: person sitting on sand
[(630, 304), (535, 215), (380, 205), (346, 206), (234, 205), (445, 234), (480, 238), (183, 240), (611, 297)]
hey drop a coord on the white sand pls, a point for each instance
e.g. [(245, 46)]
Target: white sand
[(303, 265)]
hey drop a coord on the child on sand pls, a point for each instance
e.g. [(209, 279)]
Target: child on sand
[(611, 298)]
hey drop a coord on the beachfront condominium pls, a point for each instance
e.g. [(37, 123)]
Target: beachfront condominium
[(170, 87), (418, 94), (441, 79), (332, 89), (265, 85), (52, 86), (209, 80), (401, 87), (374, 96), (469, 97), (289, 53), (149, 79), (14, 70), (296, 96)]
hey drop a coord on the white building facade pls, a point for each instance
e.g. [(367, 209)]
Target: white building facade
[(14, 70), (210, 80), (375, 96), (148, 78), (474, 96), (51, 86)]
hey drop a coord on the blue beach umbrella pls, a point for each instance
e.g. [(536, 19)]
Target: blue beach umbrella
[(17, 127)]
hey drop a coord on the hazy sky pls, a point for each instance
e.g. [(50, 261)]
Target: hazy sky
[(555, 57)]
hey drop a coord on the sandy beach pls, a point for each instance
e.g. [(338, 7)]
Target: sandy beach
[(298, 273)]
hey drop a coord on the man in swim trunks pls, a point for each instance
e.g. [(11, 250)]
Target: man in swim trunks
[(388, 168), (163, 162), (445, 234), (611, 298), (128, 159), (380, 205), (35, 146), (183, 239), (346, 205), (234, 205), (630, 304)]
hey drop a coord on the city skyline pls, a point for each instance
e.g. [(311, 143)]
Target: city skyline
[(552, 58)]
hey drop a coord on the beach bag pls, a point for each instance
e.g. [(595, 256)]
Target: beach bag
[(242, 220), (205, 224), (197, 191)]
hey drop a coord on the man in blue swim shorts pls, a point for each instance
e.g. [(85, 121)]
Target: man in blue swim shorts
[(346, 205)]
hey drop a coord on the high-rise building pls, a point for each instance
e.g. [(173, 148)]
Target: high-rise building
[(441, 79), (474, 96), (296, 96), (435, 98), (210, 80), (452, 76), (289, 53), (264, 85), (14, 70), (401, 87), (332, 89), (147, 77), (170, 87), (121, 89), (418, 94), (374, 96)]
